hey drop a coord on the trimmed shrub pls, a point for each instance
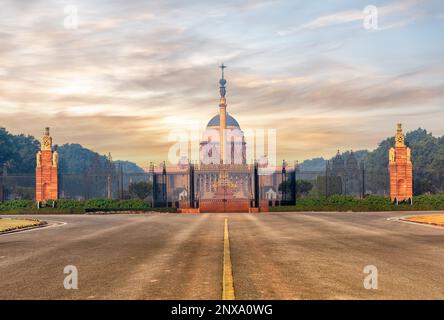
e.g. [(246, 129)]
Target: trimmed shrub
[(17, 204), (332, 203), (370, 203), (79, 206)]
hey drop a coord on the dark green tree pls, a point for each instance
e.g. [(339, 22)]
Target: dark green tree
[(330, 185), (140, 190), (303, 187), (17, 152)]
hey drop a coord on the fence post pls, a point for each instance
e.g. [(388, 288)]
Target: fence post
[(363, 180), (257, 193), (326, 178), (284, 183), (109, 186), (1, 188), (164, 185), (191, 184), (295, 181), (151, 179)]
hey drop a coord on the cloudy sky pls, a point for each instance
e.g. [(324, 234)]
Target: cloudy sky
[(132, 71)]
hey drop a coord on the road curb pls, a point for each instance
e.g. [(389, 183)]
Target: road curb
[(405, 218), (427, 224), (40, 225), (45, 225)]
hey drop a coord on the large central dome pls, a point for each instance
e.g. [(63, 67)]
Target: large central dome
[(223, 140), (231, 122)]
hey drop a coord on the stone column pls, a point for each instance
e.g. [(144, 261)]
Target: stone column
[(222, 127)]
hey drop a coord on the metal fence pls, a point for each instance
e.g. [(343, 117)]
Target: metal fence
[(358, 183), (73, 186), (116, 184)]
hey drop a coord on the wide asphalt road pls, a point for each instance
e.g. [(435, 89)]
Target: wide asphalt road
[(273, 255)]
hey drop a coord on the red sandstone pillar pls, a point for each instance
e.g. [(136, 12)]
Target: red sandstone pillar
[(46, 170), (400, 169)]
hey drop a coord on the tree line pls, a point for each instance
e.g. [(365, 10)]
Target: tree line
[(17, 156)]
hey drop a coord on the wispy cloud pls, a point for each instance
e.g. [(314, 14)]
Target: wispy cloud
[(348, 16)]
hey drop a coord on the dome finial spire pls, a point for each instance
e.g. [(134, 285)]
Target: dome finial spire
[(222, 82), (222, 66)]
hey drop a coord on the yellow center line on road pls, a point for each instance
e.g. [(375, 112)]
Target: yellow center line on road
[(227, 276)]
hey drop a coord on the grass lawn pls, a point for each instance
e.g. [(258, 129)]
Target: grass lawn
[(7, 224), (435, 219)]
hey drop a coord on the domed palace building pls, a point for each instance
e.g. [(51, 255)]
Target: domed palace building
[(221, 181)]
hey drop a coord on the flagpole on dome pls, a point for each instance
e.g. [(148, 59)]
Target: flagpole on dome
[(222, 114)]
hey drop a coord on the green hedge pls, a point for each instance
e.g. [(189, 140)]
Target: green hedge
[(17, 204), (105, 204), (332, 203), (370, 203), (80, 206)]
